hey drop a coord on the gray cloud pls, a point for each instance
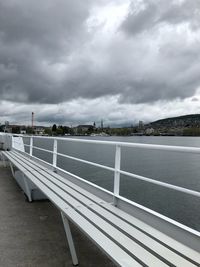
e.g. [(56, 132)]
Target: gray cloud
[(33, 39), (155, 12), (140, 20), (195, 99), (107, 108), (49, 54)]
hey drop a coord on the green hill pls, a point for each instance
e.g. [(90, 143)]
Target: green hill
[(192, 120)]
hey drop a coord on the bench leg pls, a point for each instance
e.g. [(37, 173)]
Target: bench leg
[(12, 170), (28, 191), (69, 239)]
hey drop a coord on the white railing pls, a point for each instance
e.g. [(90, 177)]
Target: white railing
[(117, 166)]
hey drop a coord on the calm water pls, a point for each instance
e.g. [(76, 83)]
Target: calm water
[(182, 169)]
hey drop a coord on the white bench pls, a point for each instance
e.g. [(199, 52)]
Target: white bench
[(128, 241)]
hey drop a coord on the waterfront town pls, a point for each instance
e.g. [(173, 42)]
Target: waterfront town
[(187, 125)]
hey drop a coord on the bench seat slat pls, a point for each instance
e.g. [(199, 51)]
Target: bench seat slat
[(170, 242), (95, 210), (147, 241), (118, 222), (121, 239), (130, 245), (119, 256)]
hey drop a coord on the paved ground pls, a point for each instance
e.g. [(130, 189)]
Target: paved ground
[(32, 234)]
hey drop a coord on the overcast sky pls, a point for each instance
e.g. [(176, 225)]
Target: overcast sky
[(81, 61)]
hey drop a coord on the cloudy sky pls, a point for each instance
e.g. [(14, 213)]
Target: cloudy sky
[(81, 61)]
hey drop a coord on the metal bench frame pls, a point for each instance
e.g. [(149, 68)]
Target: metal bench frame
[(127, 240)]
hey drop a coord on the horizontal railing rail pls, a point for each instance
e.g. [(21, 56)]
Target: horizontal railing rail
[(117, 166), (186, 149)]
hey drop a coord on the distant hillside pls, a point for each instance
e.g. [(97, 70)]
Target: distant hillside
[(192, 120)]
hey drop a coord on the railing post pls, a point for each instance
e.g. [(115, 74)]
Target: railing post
[(31, 146), (55, 154), (117, 174)]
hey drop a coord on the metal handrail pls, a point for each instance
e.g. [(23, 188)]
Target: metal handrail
[(186, 149), (39, 148), (117, 169)]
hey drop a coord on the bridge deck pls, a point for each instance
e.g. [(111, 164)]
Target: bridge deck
[(33, 235)]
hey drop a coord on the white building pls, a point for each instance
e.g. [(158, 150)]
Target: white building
[(149, 131)]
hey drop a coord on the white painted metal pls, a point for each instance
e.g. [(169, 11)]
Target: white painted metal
[(190, 253), (133, 204), (117, 170), (110, 207), (124, 241), (75, 176), (127, 144), (69, 239), (170, 186), (117, 173), (42, 149), (116, 220), (76, 199), (130, 219), (55, 145), (163, 217), (74, 158), (31, 146), (26, 145), (87, 162), (6, 141), (117, 254), (18, 143), (116, 190)]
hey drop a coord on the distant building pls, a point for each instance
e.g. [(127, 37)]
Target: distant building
[(23, 131), (83, 129), (149, 131), (101, 124), (141, 125), (39, 130), (8, 129)]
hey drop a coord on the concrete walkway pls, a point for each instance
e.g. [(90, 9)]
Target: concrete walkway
[(32, 234)]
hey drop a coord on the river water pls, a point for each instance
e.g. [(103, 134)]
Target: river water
[(182, 169)]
